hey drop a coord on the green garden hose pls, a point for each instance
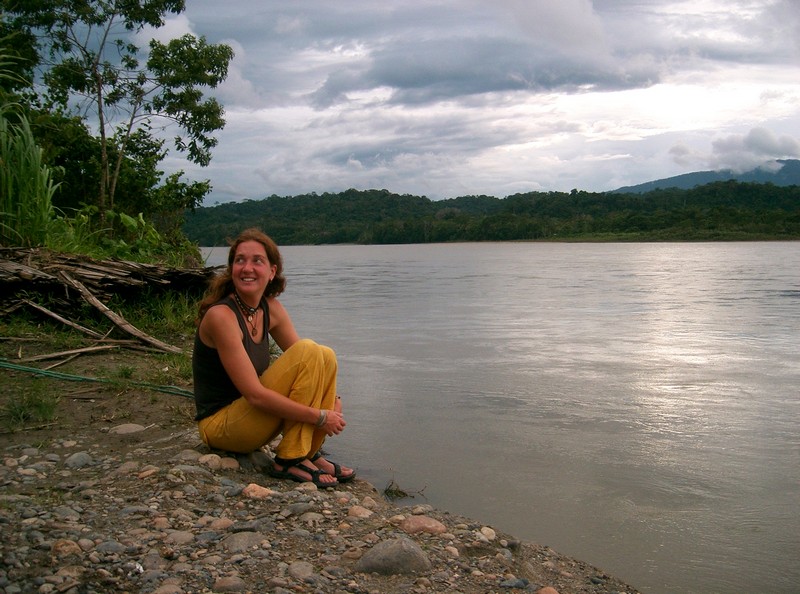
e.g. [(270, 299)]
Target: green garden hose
[(5, 363)]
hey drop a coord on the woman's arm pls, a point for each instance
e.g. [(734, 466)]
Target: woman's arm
[(220, 330), (281, 327)]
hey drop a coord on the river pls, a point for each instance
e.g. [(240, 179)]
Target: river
[(633, 405)]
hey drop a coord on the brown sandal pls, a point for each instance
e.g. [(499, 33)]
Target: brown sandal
[(337, 469), (314, 472)]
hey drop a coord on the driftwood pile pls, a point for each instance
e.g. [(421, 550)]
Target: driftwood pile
[(30, 277)]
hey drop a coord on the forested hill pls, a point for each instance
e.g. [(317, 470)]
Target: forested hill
[(719, 211), (787, 174)]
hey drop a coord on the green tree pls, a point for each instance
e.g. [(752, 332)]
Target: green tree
[(89, 60), (73, 153)]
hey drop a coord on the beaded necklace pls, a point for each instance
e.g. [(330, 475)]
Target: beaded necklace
[(250, 312)]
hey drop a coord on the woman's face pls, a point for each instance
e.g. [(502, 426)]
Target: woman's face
[(251, 270)]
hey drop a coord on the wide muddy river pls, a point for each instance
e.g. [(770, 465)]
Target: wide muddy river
[(636, 406)]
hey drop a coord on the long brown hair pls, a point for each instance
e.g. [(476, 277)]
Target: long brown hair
[(222, 284)]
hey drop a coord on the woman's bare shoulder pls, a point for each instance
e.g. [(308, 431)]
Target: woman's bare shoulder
[(218, 312), (217, 323)]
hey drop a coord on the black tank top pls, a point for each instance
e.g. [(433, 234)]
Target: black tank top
[(213, 389)]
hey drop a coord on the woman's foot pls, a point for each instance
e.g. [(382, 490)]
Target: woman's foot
[(341, 473), (303, 472)]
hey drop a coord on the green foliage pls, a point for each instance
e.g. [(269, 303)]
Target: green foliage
[(169, 315), (125, 372), (143, 239), (136, 239), (77, 234), (180, 68), (31, 402), (26, 186), (74, 154), (84, 55), (722, 210)]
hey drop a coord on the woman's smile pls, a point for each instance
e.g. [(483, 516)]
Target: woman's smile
[(252, 270)]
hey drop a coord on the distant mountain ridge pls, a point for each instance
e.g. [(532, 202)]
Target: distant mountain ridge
[(787, 175)]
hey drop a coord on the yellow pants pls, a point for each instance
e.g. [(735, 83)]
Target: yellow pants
[(306, 373)]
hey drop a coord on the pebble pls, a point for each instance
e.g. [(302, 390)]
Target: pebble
[(168, 516), (126, 429), (79, 460), (230, 584), (415, 524), (396, 556)]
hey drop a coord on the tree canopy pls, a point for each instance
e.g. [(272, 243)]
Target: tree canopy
[(100, 100)]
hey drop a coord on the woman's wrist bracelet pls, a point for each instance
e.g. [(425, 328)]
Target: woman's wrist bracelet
[(323, 417)]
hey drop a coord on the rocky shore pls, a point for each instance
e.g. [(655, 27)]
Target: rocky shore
[(129, 508), (116, 493)]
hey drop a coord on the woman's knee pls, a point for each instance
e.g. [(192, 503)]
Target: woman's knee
[(302, 346), (328, 355), (308, 348)]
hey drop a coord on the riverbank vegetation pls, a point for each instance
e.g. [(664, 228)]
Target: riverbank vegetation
[(81, 146), (82, 107), (138, 338), (92, 255), (719, 211)]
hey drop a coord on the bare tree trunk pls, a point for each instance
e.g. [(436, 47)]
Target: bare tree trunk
[(101, 197), (121, 153)]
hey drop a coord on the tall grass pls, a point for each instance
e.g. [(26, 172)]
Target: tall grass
[(27, 214), (169, 314), (26, 182)]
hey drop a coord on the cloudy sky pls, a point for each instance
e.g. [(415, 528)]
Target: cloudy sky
[(444, 98)]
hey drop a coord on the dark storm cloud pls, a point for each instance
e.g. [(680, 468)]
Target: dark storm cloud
[(449, 69)]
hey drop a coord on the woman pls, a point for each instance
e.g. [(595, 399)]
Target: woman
[(243, 401)]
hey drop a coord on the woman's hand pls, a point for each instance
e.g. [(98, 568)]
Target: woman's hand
[(334, 423)]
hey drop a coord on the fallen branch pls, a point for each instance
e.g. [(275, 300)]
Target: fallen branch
[(115, 318), (34, 270), (63, 361), (57, 317), (23, 429), (80, 393), (79, 352), (73, 352), (22, 272)]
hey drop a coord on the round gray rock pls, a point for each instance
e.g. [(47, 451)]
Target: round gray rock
[(393, 557)]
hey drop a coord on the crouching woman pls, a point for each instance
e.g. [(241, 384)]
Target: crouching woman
[(243, 401)]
